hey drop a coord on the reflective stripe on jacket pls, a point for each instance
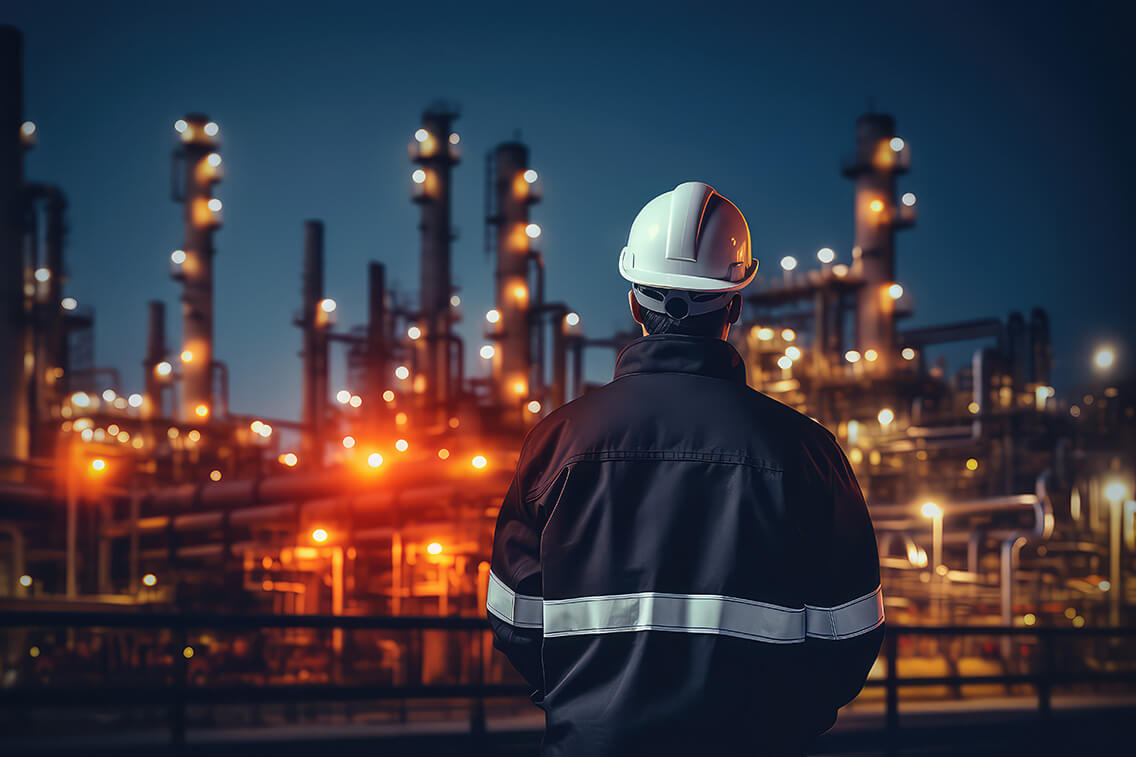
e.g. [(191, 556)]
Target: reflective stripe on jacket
[(682, 562)]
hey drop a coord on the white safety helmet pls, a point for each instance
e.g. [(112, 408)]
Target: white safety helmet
[(688, 252)]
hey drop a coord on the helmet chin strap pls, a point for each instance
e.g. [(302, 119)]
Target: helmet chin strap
[(677, 303)]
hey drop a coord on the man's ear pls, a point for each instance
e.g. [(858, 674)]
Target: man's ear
[(735, 308), (634, 303)]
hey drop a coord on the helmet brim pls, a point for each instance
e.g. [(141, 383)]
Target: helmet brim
[(684, 281)]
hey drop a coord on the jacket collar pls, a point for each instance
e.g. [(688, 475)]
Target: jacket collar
[(671, 353)]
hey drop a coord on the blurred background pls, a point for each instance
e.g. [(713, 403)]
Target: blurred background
[(284, 286)]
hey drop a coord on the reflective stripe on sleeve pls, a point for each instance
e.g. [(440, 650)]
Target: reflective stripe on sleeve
[(847, 620), (513, 608)]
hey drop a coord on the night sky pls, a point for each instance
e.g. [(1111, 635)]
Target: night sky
[(1019, 120)]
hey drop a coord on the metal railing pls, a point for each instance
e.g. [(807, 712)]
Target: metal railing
[(178, 694)]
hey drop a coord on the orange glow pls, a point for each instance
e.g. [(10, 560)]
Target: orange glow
[(479, 461), (402, 372), (520, 387), (521, 292), (215, 475), (493, 316), (971, 464), (187, 356), (876, 206), (402, 445), (455, 422), (290, 459), (388, 396), (871, 355), (443, 453), (434, 548), (374, 459), (319, 535), (202, 411), (149, 579), (400, 419), (98, 465), (348, 442), (533, 406)]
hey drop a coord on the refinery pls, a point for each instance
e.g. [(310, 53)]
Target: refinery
[(995, 500)]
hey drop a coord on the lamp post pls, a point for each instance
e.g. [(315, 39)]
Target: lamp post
[(935, 513)]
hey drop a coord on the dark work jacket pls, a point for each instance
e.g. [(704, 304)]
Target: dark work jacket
[(683, 565)]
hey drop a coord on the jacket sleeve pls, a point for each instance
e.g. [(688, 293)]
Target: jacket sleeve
[(841, 572), (514, 601)]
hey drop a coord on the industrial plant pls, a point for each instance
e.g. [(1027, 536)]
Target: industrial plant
[(995, 500)]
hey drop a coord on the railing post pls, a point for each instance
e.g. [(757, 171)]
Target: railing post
[(177, 698), (1045, 675), (891, 650)]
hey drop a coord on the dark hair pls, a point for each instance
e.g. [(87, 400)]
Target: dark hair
[(707, 324)]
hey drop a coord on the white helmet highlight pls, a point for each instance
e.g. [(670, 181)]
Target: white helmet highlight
[(690, 239)]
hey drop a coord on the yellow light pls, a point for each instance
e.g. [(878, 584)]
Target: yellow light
[(885, 416), (1070, 612), (419, 176), (785, 362), (856, 455), (202, 411), (135, 400), (187, 652), (487, 351), (443, 453), (793, 353), (973, 408), (520, 387), (34, 651), (1078, 622), (187, 356), (1029, 619), (421, 135), (98, 464), (455, 422), (1104, 357), (533, 407), (25, 580), (1115, 491), (319, 535), (172, 432), (852, 356), (43, 275), (374, 459), (895, 291), (348, 442), (871, 355), (388, 396), (414, 332), (908, 353), (402, 373), (400, 418), (532, 230), (765, 334), (80, 399), (149, 579), (971, 464), (788, 262), (214, 204), (788, 335), (826, 255), (454, 138), (572, 319), (69, 303), (327, 305), (194, 435), (290, 459), (840, 270), (137, 443), (355, 400), (531, 176), (163, 368), (211, 129), (434, 548), (931, 510), (455, 300), (401, 445), (479, 461), (896, 144), (520, 292), (876, 206), (493, 315)]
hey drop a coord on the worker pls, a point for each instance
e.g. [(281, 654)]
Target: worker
[(681, 564)]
